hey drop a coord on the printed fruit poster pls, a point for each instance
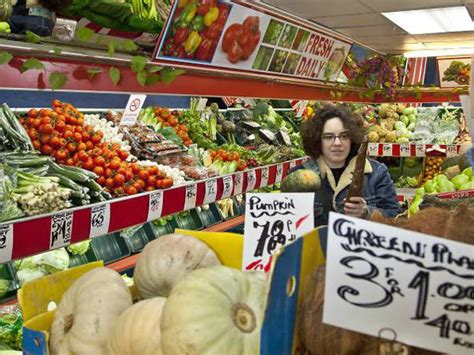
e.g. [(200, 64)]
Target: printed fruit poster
[(454, 71), (247, 37)]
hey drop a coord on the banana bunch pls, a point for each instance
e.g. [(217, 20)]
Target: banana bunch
[(145, 9)]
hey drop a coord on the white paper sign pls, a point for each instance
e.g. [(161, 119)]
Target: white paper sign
[(100, 220), (201, 105), (279, 174), (451, 150), (61, 230), (155, 205), (228, 186), (420, 150), (272, 221), (239, 183), (190, 197), (405, 150), (6, 242), (373, 149), (387, 150), (418, 286), (292, 164), (132, 110), (211, 191), (264, 176), (300, 108), (251, 180)]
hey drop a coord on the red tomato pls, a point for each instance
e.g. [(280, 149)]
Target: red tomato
[(119, 180), (99, 161), (223, 12), (235, 53), (251, 23), (60, 154), (232, 33)]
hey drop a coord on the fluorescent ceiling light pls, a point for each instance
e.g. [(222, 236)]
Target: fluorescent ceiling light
[(439, 52), (439, 20)]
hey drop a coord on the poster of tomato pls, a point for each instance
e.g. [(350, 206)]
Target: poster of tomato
[(245, 36)]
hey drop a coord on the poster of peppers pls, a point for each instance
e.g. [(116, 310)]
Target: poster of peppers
[(237, 35)]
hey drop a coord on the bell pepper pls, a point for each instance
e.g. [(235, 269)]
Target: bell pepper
[(198, 24), (204, 53), (193, 42), (187, 15), (180, 35), (204, 6), (211, 16)]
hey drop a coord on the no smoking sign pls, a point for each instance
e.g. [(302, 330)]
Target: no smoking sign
[(132, 110)]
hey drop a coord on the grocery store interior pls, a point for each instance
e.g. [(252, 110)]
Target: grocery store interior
[(236, 177)]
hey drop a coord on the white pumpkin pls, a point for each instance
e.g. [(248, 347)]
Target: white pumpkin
[(217, 310), (165, 261), (88, 311), (137, 331)]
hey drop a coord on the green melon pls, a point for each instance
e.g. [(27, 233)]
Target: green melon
[(302, 180)]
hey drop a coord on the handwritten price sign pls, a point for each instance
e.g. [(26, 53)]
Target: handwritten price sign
[(419, 286), (6, 242), (272, 221), (100, 220), (61, 230)]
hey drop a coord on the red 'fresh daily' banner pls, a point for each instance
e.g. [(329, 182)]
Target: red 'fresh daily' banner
[(248, 37)]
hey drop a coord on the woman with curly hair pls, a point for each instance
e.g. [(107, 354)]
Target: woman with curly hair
[(331, 139)]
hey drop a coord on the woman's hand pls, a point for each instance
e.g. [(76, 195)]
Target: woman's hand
[(356, 207)]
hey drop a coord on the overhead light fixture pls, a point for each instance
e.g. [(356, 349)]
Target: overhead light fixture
[(439, 52), (438, 20)]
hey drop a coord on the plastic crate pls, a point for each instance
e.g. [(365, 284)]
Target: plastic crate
[(155, 231), (76, 260), (110, 248), (7, 272), (210, 216), (192, 221), (136, 239)]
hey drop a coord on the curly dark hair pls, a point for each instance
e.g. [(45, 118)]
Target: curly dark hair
[(312, 129), (55, 5)]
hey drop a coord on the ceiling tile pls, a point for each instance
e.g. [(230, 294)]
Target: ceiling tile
[(319, 8), (353, 20), (391, 5), (384, 30), (399, 48), (441, 45), (387, 40), (446, 37)]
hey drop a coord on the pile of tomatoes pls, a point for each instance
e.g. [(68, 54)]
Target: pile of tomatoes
[(170, 119), (221, 154), (60, 132)]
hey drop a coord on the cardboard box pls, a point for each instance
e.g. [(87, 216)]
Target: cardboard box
[(279, 336)]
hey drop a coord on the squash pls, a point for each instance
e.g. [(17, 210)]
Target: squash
[(217, 310), (88, 311), (166, 260), (301, 180), (137, 331)]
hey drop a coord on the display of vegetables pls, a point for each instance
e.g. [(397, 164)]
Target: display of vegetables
[(111, 132), (79, 248), (11, 327)]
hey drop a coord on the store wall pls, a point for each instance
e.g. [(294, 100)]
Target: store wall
[(34, 98)]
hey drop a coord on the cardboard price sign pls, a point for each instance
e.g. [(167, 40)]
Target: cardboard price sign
[(132, 110), (272, 221), (418, 286)]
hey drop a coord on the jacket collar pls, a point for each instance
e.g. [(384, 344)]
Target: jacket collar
[(346, 177)]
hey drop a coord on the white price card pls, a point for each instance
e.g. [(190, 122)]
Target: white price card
[(155, 205), (420, 150), (272, 221), (300, 108), (405, 150), (100, 220), (132, 110), (251, 180), (6, 242), (201, 105), (373, 149), (292, 164), (451, 150), (417, 286), (239, 183), (264, 177), (228, 186), (387, 150), (61, 230), (190, 196), (211, 191), (279, 173)]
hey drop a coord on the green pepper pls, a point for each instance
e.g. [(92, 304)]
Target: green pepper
[(188, 14), (198, 24), (193, 42), (211, 16)]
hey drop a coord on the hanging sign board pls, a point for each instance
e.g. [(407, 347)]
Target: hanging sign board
[(272, 221), (393, 283), (250, 37)]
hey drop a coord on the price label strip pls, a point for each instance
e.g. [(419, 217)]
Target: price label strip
[(6, 243), (405, 150), (100, 220), (292, 164), (190, 197), (279, 173), (373, 149), (264, 179), (266, 230), (419, 286), (61, 230), (211, 191), (155, 205), (451, 150), (420, 150), (251, 180), (239, 183), (387, 150), (228, 186)]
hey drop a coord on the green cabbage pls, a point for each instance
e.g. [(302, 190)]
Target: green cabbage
[(79, 248)]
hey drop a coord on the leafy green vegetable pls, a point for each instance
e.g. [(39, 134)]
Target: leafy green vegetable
[(138, 63), (141, 77), (79, 248), (170, 134), (57, 80), (114, 74), (31, 63)]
